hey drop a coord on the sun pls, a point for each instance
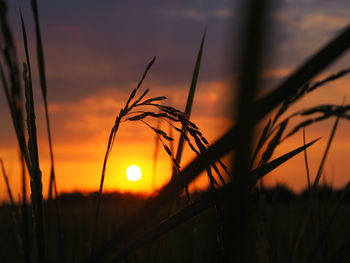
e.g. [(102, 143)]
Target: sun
[(133, 173)]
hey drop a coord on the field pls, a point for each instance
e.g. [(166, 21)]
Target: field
[(195, 240), (236, 219)]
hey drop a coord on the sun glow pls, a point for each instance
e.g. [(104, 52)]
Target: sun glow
[(133, 173)]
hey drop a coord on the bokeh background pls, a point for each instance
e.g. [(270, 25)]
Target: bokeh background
[(96, 52)]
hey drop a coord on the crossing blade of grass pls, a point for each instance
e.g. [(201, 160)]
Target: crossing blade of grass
[(323, 234), (190, 99), (228, 141), (210, 199)]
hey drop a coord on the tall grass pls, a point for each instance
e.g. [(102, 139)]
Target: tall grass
[(13, 93), (233, 200)]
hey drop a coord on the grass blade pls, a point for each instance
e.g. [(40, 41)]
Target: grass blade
[(35, 182), (324, 157), (190, 99), (155, 157), (306, 163), (40, 50), (43, 86)]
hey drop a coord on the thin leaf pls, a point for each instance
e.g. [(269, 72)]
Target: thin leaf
[(324, 157), (306, 163), (35, 173), (43, 86), (190, 98)]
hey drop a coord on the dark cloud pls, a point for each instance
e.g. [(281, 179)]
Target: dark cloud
[(90, 45)]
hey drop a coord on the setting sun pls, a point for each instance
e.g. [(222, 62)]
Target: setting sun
[(133, 173)]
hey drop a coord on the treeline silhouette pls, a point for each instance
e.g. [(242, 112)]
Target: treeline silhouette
[(279, 193)]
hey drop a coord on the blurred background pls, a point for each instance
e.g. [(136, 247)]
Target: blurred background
[(96, 52)]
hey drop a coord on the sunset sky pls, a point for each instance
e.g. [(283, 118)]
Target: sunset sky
[(96, 52)]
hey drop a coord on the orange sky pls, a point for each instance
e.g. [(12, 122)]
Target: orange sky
[(93, 66)]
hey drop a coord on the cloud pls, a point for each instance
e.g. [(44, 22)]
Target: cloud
[(324, 22), (220, 13)]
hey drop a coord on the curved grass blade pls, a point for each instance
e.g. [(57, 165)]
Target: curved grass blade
[(123, 112), (210, 199)]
